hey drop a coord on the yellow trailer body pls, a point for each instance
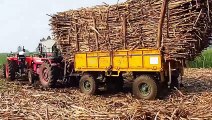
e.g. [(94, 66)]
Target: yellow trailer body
[(146, 60)]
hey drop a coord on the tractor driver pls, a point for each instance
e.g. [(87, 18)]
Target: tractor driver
[(21, 59), (22, 53)]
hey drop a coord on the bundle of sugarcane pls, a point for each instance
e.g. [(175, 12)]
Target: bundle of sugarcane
[(133, 25)]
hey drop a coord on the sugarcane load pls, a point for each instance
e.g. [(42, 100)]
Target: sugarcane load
[(135, 24)]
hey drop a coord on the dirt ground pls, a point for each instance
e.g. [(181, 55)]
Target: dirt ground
[(194, 101)]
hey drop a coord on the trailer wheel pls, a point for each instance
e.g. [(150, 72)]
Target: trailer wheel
[(4, 71), (48, 75), (145, 87), (31, 77), (10, 70), (88, 84)]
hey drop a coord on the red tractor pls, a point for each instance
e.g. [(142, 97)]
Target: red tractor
[(16, 66), (34, 66), (52, 68), (19, 66)]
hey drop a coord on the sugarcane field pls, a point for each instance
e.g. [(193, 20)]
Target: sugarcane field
[(106, 60)]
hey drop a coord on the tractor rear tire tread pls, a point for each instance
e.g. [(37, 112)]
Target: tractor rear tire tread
[(12, 69), (4, 70), (53, 76)]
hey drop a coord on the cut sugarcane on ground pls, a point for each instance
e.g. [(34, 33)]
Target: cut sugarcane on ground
[(134, 24), (193, 101)]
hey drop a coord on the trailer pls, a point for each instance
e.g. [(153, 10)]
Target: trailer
[(104, 68), (146, 65)]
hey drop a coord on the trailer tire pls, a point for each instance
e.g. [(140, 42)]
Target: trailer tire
[(11, 70), (4, 71), (48, 75), (145, 87), (88, 84)]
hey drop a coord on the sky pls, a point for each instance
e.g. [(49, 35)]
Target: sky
[(25, 22)]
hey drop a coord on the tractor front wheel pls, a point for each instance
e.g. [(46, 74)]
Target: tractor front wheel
[(144, 87), (31, 77), (88, 84), (48, 75)]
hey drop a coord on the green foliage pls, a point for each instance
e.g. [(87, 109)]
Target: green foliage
[(203, 61), (2, 58)]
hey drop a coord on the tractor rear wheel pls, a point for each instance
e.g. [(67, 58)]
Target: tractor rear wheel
[(4, 71), (145, 87), (48, 75), (11, 70), (88, 84)]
